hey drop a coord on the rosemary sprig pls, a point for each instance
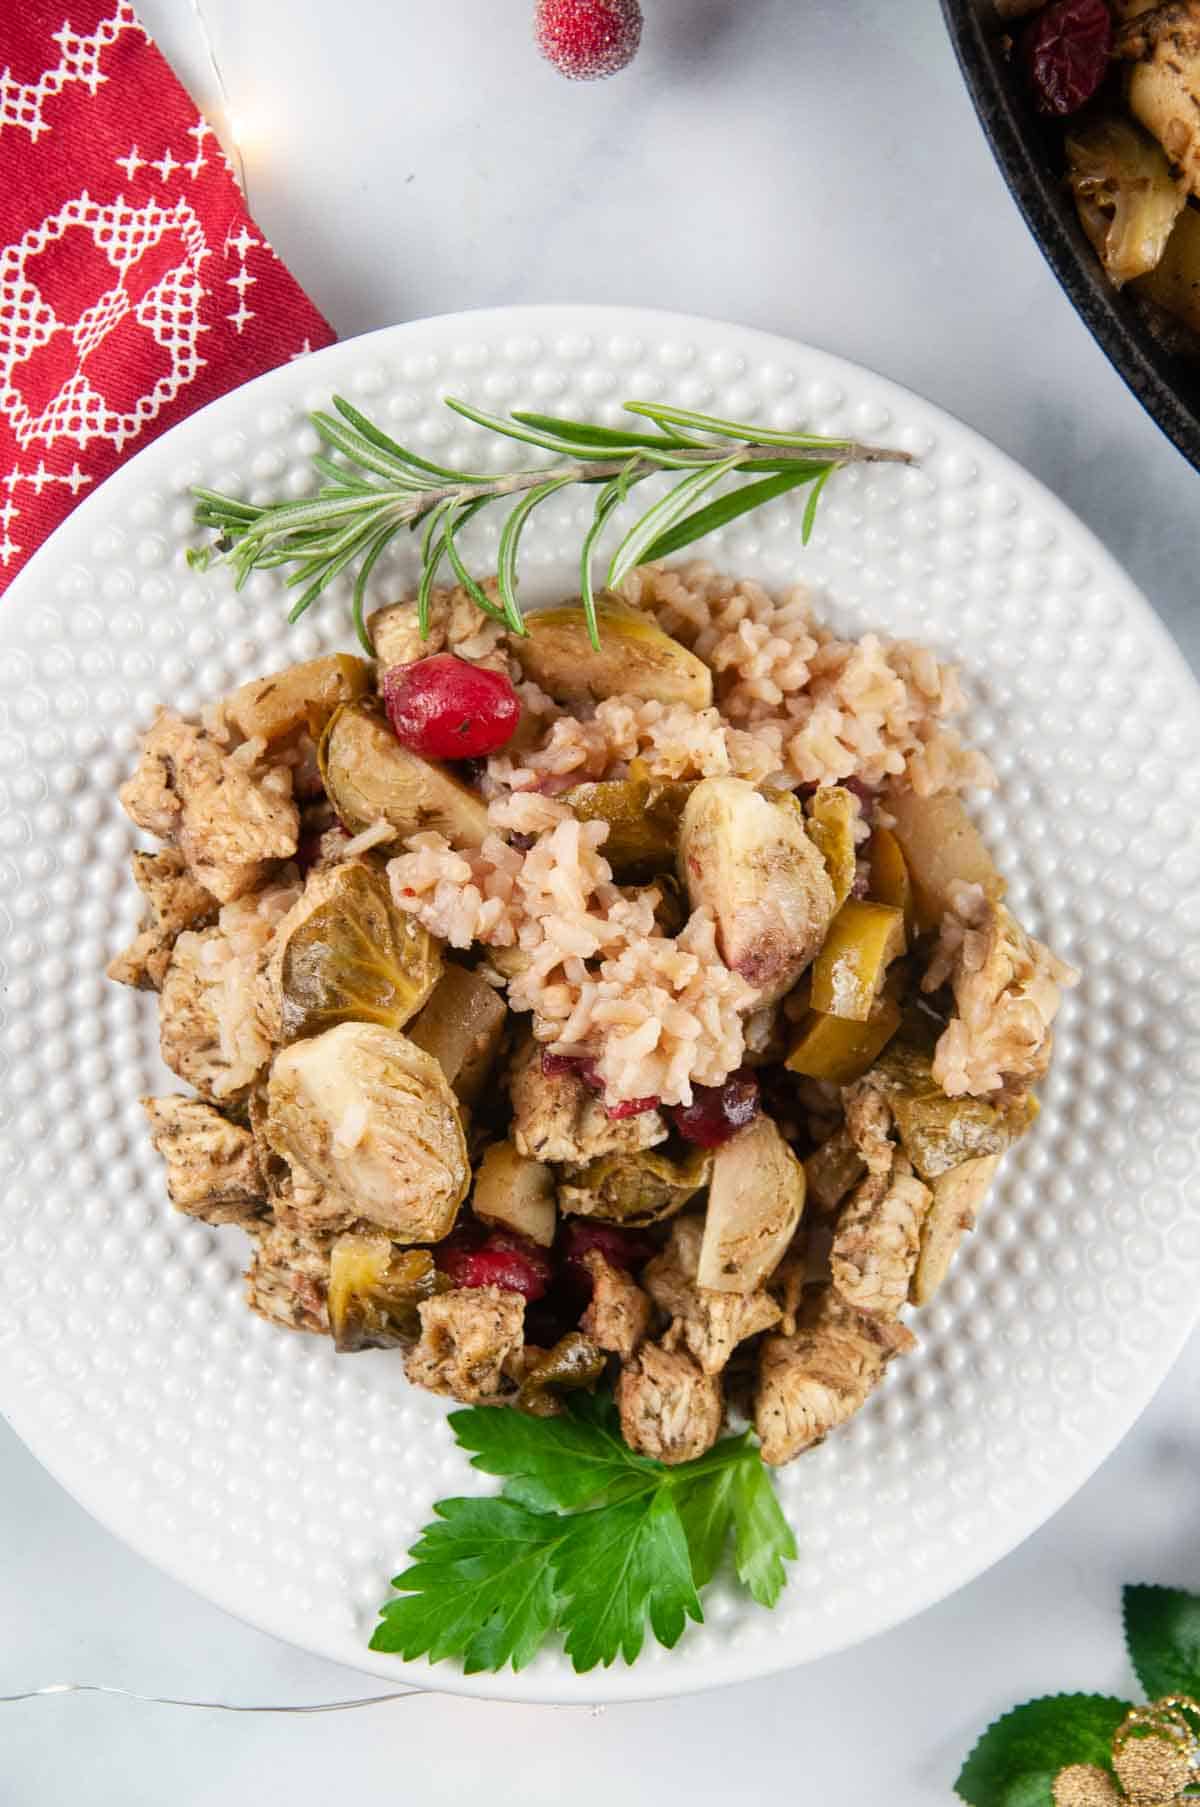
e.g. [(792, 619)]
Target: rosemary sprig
[(374, 487)]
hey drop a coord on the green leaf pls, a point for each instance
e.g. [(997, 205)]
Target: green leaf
[(616, 1568), (727, 508), (763, 1539), (610, 439), (1015, 1762), (810, 507), (705, 1508), (1162, 1635), (481, 1587), (510, 538), (553, 1464)]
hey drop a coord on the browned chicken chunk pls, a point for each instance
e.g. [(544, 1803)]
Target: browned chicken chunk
[(209, 1033), (229, 817), (709, 1324), (670, 1409), (466, 1337), (1007, 991), (176, 902), (810, 1383), (556, 1117), (288, 1279), (878, 1240), (212, 1167), (619, 1315)]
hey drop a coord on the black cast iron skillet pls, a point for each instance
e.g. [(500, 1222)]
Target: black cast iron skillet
[(1028, 150)]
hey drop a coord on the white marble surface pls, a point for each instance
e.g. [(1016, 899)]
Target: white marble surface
[(815, 169)]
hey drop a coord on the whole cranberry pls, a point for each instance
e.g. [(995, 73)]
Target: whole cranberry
[(502, 1259), (446, 708), (621, 1248), (717, 1111), (1067, 50)]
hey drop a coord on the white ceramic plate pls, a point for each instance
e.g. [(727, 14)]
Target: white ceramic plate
[(284, 1482)]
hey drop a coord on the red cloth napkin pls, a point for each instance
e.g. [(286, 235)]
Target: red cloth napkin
[(134, 286)]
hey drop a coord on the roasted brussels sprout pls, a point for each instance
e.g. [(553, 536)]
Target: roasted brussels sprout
[(941, 845), (574, 1362), (1175, 283), (345, 953), (370, 777), (372, 1117), (849, 971), (1162, 43), (643, 818), (751, 862), (1127, 198), (637, 1188), (635, 657), (516, 1193), (936, 1132), (839, 1050), (303, 696), (832, 814), (374, 1291), (461, 1027), (755, 1200)]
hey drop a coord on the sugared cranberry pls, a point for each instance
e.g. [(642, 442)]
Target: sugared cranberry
[(445, 708), (502, 1259), (587, 39), (583, 1069), (620, 1248), (1067, 50), (717, 1111)]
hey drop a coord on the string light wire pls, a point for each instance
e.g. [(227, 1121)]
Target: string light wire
[(231, 124), (209, 1706)]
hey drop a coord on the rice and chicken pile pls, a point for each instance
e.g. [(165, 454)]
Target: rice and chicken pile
[(678, 1035)]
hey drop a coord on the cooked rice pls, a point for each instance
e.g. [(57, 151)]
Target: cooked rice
[(793, 705), (230, 959)]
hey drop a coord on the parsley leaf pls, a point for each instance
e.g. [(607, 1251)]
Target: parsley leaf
[(705, 1508), (556, 1463), (618, 1566), (481, 1587), (763, 1539), (1162, 1631), (1015, 1762), (586, 1538)]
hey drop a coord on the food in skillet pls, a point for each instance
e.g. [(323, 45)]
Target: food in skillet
[(1126, 74), (553, 1013)]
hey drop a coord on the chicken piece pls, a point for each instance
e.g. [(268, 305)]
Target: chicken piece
[(288, 1279), (869, 1126), (176, 903), (466, 1337), (957, 1196), (229, 817), (878, 1240), (670, 1409), (1163, 45), (556, 1117), (372, 1118), (831, 1171), (709, 1324), (212, 1166), (619, 1315), (1007, 992), (810, 1383)]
